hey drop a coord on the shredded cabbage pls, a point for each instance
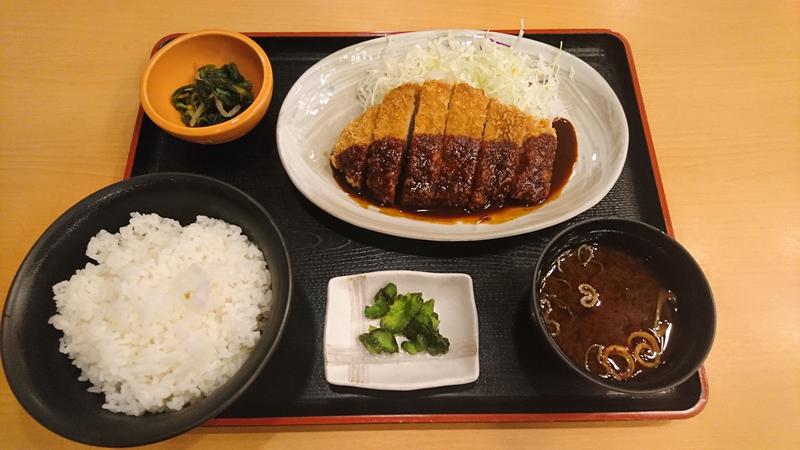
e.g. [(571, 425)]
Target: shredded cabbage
[(515, 78)]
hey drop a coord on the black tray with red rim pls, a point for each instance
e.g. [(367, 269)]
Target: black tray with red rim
[(520, 380)]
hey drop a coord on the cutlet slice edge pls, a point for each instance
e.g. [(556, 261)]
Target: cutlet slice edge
[(349, 153)]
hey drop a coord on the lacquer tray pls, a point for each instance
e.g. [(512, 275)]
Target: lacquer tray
[(520, 381)]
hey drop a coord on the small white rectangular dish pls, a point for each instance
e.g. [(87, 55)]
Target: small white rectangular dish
[(348, 363)]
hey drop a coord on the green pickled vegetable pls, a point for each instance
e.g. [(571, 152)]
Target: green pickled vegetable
[(381, 302), (376, 310), (425, 325), (401, 311), (408, 315), (217, 94), (415, 346), (387, 293), (439, 345), (378, 341)]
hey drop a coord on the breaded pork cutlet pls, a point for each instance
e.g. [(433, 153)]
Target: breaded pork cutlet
[(499, 155), (466, 115), (350, 152), (387, 151), (466, 152), (535, 168), (425, 149)]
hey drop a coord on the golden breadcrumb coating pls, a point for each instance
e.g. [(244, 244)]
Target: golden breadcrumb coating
[(467, 112), (395, 112), (505, 123), (434, 96), (357, 132)]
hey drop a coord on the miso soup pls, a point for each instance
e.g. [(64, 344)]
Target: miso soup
[(608, 310)]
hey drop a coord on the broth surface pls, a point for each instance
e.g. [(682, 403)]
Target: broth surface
[(598, 295)]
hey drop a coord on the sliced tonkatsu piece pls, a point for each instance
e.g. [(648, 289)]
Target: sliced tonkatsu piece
[(466, 116), (535, 168), (350, 152), (465, 152), (424, 152), (499, 155), (385, 155)]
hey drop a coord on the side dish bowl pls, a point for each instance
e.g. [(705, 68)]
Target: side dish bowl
[(176, 64), (696, 320), (44, 380)]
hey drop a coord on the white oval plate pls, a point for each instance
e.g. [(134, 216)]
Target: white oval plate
[(323, 101)]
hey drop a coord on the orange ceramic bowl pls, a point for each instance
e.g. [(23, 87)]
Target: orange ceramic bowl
[(176, 64)]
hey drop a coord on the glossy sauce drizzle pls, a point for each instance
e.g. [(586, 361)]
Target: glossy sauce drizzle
[(566, 155)]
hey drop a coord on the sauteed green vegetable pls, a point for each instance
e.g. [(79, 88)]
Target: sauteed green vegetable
[(217, 94)]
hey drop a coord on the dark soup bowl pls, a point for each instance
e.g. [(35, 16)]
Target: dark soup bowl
[(623, 305), (44, 380)]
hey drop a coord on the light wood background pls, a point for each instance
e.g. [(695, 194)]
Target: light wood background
[(721, 86)]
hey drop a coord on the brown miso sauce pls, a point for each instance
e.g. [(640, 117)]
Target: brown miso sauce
[(628, 293), (566, 155)]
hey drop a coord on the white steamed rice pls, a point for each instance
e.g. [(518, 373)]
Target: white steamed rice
[(167, 314)]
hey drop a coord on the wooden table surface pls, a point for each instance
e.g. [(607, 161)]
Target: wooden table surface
[(721, 87)]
